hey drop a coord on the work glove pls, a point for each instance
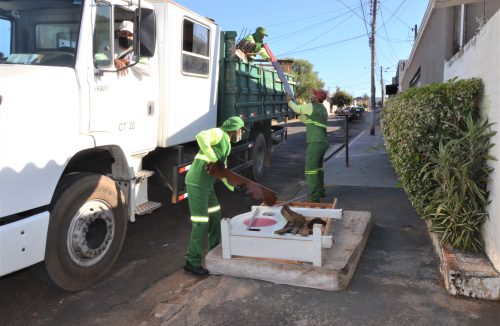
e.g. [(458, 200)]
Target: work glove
[(241, 190), (219, 164)]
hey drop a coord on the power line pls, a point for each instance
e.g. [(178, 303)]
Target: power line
[(364, 16), (304, 29), (314, 39), (386, 34), (302, 19), (394, 13), (325, 45)]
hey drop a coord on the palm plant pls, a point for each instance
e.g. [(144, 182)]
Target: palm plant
[(457, 174)]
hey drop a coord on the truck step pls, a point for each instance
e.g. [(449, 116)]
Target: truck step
[(142, 175), (147, 207)]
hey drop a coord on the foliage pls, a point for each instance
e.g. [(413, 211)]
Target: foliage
[(341, 98), (459, 174), (306, 79), (438, 147)]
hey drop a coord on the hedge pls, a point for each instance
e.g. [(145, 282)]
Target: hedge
[(438, 145)]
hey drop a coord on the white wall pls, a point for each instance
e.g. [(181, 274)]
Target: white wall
[(480, 58)]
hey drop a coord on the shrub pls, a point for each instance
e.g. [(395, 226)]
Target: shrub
[(439, 147)]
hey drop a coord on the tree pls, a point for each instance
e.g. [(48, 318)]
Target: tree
[(306, 79), (341, 98)]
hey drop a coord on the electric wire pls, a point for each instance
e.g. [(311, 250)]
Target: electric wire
[(294, 33), (319, 36), (395, 56)]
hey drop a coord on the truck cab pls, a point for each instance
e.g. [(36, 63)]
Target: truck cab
[(74, 129)]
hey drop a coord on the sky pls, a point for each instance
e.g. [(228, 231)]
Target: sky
[(331, 34)]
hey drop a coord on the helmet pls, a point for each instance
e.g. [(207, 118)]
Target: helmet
[(320, 95), (261, 31), (232, 124)]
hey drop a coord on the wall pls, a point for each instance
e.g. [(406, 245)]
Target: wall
[(429, 54), (480, 58)]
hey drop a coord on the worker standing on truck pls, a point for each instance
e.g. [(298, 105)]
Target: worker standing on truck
[(257, 39), (315, 117), (215, 146)]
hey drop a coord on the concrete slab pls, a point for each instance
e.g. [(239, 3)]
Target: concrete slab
[(470, 275), (339, 262)]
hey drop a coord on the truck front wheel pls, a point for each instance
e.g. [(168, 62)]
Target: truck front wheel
[(87, 228)]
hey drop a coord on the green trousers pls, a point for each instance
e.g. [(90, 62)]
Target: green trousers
[(314, 170), (205, 214)]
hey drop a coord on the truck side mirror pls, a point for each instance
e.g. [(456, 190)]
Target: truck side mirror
[(146, 32)]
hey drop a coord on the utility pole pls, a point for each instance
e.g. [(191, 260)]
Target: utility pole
[(381, 88), (372, 46)]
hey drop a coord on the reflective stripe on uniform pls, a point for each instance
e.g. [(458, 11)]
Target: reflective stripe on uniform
[(311, 171), (203, 219), (213, 209), (315, 123)]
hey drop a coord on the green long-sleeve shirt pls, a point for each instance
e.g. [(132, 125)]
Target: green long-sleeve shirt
[(215, 145), (315, 117)]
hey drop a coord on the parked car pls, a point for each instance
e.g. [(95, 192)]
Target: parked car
[(357, 112), (352, 113)]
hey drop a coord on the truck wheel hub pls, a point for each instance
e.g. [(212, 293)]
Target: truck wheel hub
[(91, 232)]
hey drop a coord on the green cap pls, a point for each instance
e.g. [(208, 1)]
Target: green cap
[(261, 30), (232, 124)]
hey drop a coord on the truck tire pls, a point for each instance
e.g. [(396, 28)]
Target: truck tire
[(87, 228), (258, 157)]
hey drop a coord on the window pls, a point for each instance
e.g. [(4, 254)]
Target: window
[(56, 36), (195, 48), (5, 39), (415, 81), (102, 36)]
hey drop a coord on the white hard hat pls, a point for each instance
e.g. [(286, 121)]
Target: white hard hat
[(126, 26)]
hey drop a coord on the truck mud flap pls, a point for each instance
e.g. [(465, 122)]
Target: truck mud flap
[(179, 192)]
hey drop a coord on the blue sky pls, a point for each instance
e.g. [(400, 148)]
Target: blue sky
[(331, 34)]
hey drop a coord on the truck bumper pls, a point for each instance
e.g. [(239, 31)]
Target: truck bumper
[(22, 243)]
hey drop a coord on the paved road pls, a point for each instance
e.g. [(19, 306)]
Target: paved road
[(154, 249)]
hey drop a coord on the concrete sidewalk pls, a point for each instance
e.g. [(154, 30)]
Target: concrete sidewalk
[(368, 164)]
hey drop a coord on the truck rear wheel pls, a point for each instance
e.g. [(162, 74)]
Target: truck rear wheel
[(87, 228), (258, 156)]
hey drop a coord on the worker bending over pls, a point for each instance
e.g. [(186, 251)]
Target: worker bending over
[(215, 146)]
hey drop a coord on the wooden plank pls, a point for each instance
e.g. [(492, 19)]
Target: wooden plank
[(274, 260), (280, 72), (226, 239)]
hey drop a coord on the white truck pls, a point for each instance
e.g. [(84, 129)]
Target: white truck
[(75, 136)]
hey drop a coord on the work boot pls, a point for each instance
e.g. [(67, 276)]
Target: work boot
[(198, 271)]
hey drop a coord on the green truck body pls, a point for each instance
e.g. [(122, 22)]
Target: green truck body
[(252, 91)]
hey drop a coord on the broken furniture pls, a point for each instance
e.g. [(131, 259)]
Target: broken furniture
[(252, 234)]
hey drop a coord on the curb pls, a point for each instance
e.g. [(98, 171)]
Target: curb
[(470, 275), (332, 150)]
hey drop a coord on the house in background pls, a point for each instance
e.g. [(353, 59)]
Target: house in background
[(393, 88), (461, 39)]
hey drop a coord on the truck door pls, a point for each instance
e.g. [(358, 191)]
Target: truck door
[(122, 107)]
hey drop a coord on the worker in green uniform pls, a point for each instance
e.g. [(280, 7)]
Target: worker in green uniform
[(257, 38), (315, 117), (215, 146)]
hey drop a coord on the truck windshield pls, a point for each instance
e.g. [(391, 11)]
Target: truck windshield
[(39, 32)]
